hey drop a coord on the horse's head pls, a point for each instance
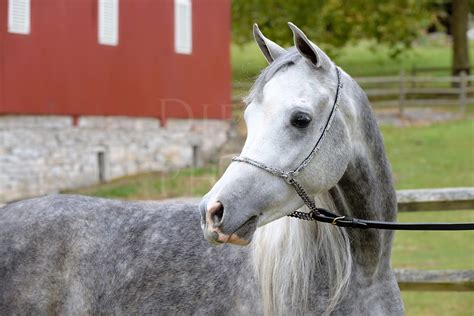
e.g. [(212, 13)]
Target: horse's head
[(286, 112)]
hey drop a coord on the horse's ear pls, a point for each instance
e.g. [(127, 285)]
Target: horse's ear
[(270, 50), (308, 49)]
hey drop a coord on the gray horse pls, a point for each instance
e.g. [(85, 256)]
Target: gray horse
[(81, 255)]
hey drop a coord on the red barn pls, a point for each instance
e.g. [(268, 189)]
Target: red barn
[(86, 85), (154, 58)]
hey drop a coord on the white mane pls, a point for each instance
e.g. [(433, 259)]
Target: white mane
[(289, 252)]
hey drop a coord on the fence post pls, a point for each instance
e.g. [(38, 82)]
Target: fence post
[(413, 74), (462, 92), (402, 93)]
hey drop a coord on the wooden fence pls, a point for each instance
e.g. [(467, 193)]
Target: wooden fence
[(441, 280), (435, 200), (404, 90), (443, 199), (415, 70)]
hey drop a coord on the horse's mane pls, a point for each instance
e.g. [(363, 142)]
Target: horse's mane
[(288, 253)]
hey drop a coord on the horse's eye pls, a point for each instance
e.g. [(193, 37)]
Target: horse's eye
[(300, 119)]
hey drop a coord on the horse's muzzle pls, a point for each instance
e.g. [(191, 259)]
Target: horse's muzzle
[(212, 217)]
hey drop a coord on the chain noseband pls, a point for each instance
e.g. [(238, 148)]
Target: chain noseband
[(322, 215)]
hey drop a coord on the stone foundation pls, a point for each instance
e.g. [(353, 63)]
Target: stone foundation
[(47, 154)]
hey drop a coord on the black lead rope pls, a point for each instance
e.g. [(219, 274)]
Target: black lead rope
[(322, 215), (325, 216)]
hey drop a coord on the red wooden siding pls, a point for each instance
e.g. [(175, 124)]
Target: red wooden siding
[(59, 68)]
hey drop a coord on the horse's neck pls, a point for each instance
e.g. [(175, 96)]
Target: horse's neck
[(366, 191)]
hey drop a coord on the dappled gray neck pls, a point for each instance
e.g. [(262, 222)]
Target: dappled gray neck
[(366, 189), (367, 183)]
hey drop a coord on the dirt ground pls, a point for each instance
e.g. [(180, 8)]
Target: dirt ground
[(414, 116)]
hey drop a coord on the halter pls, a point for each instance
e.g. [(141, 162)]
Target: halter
[(322, 215)]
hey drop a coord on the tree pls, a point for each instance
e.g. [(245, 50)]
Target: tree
[(335, 23), (459, 20)]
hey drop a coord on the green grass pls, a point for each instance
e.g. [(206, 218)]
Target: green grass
[(438, 303), (435, 251), (438, 155), (357, 60), (156, 185), (120, 190)]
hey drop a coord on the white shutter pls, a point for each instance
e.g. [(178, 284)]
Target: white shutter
[(108, 22), (183, 27), (19, 16)]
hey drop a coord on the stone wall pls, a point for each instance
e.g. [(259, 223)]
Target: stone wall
[(46, 154)]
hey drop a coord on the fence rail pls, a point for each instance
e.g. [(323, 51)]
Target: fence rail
[(429, 280), (444, 70), (408, 90), (444, 199)]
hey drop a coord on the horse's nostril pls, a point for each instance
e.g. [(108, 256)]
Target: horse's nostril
[(216, 213)]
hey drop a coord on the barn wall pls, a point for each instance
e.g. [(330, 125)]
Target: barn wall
[(46, 154), (61, 69), (59, 75)]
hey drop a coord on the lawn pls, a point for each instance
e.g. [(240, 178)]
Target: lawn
[(436, 251), (438, 155), (157, 185)]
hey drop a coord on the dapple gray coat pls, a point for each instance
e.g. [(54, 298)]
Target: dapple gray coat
[(80, 255)]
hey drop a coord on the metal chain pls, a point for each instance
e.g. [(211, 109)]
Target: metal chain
[(302, 215), (308, 201)]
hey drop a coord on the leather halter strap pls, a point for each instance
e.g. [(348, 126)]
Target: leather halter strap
[(322, 215)]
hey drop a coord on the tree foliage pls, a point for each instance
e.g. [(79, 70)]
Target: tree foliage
[(334, 23)]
